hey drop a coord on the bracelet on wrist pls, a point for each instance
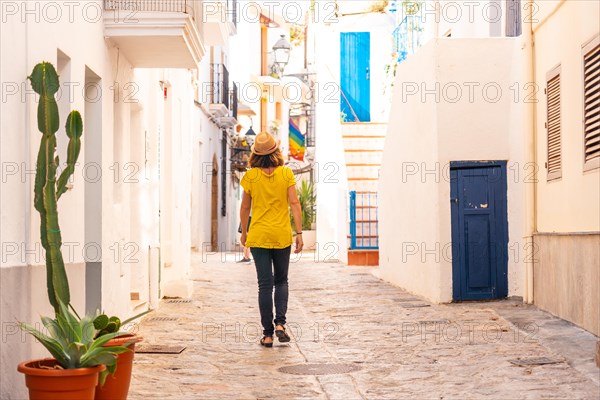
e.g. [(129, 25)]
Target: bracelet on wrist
[(298, 233)]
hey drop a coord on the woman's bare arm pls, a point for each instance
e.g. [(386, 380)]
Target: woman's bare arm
[(296, 209), (244, 215), (297, 213)]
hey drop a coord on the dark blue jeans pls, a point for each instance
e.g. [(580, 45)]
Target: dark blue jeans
[(268, 261)]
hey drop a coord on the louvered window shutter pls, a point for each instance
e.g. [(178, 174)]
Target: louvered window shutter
[(554, 161), (591, 104)]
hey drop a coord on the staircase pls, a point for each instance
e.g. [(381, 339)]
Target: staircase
[(363, 148)]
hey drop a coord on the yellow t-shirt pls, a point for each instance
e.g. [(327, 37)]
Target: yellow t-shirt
[(270, 225)]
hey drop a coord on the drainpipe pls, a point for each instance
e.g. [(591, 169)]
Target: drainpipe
[(530, 124)]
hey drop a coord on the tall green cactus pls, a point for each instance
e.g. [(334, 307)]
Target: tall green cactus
[(45, 82)]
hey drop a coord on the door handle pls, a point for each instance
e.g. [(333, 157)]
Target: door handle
[(454, 200), (368, 74)]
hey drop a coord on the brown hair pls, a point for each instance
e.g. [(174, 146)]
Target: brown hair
[(275, 159)]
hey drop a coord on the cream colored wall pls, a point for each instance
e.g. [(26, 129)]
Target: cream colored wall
[(569, 204), (567, 278)]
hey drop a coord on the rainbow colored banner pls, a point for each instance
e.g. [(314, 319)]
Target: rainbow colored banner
[(297, 142)]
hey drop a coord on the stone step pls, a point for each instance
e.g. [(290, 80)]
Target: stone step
[(363, 172), (363, 185), (363, 158), (362, 145), (364, 129), (363, 257)]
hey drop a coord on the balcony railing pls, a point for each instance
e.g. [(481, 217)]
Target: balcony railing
[(145, 30), (148, 5), (233, 100), (407, 36), (219, 88)]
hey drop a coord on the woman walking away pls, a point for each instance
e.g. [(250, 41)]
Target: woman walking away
[(269, 189)]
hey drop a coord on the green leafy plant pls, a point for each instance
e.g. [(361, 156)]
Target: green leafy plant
[(411, 7), (74, 342), (343, 116), (378, 6), (297, 34), (44, 81), (308, 203), (106, 325)]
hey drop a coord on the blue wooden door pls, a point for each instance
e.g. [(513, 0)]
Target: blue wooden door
[(355, 86), (479, 230)]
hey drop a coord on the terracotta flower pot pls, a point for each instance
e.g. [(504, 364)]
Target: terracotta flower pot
[(59, 384), (117, 387)]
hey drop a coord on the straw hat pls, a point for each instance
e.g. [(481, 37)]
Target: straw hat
[(264, 144)]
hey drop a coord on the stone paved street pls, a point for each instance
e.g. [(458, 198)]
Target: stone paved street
[(405, 347)]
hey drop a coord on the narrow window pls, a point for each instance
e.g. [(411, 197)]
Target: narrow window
[(591, 104), (553, 126)]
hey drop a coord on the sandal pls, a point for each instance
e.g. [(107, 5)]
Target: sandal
[(282, 334), (265, 343)]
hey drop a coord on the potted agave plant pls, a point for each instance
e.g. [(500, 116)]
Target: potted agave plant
[(81, 359), (85, 350), (116, 386)]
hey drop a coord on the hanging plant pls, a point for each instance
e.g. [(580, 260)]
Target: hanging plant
[(297, 35), (379, 6)]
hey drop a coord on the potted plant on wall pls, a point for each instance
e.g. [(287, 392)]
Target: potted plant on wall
[(308, 202), (82, 348)]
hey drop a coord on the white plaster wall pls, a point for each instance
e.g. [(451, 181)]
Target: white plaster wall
[(129, 209), (429, 129), (17, 131), (410, 203), (468, 19), (569, 204), (332, 203), (26, 298), (175, 202)]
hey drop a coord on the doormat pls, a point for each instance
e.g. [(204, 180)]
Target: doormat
[(533, 361), (159, 349)]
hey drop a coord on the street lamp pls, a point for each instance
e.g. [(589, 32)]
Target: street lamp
[(281, 51), (250, 136)]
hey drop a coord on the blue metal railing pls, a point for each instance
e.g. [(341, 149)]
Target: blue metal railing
[(407, 36), (364, 232)]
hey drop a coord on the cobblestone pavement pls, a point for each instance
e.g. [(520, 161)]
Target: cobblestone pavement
[(405, 347)]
